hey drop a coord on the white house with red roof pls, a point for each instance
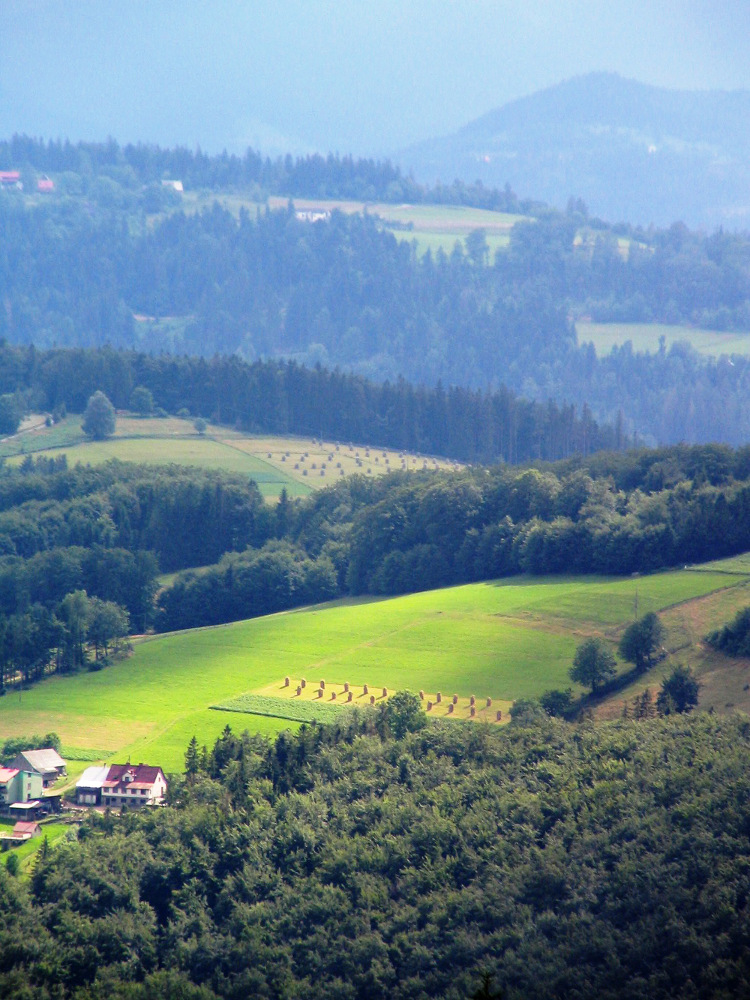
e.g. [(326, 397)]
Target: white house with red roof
[(133, 785)]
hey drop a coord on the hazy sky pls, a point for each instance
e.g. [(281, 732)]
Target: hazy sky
[(362, 76)]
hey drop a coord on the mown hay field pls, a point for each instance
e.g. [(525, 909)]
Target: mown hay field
[(502, 640), (296, 464)]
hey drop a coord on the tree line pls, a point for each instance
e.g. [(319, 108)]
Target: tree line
[(279, 397), (378, 858), (346, 293)]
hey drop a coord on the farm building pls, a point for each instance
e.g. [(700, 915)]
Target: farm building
[(46, 762), (89, 785), (133, 785), (25, 831), (32, 810), (45, 184), (22, 831), (10, 179), (18, 785)]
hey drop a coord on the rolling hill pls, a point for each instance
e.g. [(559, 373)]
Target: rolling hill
[(503, 640), (632, 152)]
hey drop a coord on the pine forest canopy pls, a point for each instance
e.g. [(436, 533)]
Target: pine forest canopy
[(346, 293)]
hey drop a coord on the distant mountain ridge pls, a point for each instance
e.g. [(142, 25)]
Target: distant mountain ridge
[(632, 152)]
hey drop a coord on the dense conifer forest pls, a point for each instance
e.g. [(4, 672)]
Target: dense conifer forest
[(78, 269), (386, 857)]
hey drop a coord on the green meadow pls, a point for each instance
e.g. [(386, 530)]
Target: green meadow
[(646, 336), (505, 640)]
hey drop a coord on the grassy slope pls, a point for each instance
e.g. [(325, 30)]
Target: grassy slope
[(293, 463), (506, 640), (645, 337)]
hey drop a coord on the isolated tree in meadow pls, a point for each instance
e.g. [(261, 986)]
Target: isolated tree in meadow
[(679, 692), (99, 418), (593, 664), (200, 425), (142, 401), (641, 640)]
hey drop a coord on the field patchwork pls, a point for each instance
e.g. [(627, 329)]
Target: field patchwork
[(298, 465), (501, 640)]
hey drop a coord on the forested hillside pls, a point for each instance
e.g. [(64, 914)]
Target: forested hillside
[(110, 530), (634, 152), (287, 398), (99, 269), (378, 858)]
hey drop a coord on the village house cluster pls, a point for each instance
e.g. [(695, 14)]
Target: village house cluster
[(26, 795)]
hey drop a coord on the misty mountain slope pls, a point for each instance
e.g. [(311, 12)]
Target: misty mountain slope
[(631, 151)]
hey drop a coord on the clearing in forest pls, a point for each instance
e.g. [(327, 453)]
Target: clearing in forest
[(646, 337), (297, 464), (503, 640)]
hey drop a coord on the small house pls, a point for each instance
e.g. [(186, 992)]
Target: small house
[(45, 184), (133, 785), (24, 830), (47, 762), (89, 785), (18, 785), (10, 179)]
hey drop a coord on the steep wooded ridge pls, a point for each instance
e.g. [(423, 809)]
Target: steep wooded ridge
[(98, 269), (633, 152), (376, 859)]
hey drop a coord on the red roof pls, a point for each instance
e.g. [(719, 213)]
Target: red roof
[(6, 773), (140, 776), (22, 826), (10, 175)]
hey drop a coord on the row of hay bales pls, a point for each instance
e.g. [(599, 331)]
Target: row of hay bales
[(347, 697)]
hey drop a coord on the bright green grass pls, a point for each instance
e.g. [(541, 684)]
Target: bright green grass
[(281, 708), (62, 435), (54, 832), (199, 451), (645, 337), (507, 640), (736, 564)]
